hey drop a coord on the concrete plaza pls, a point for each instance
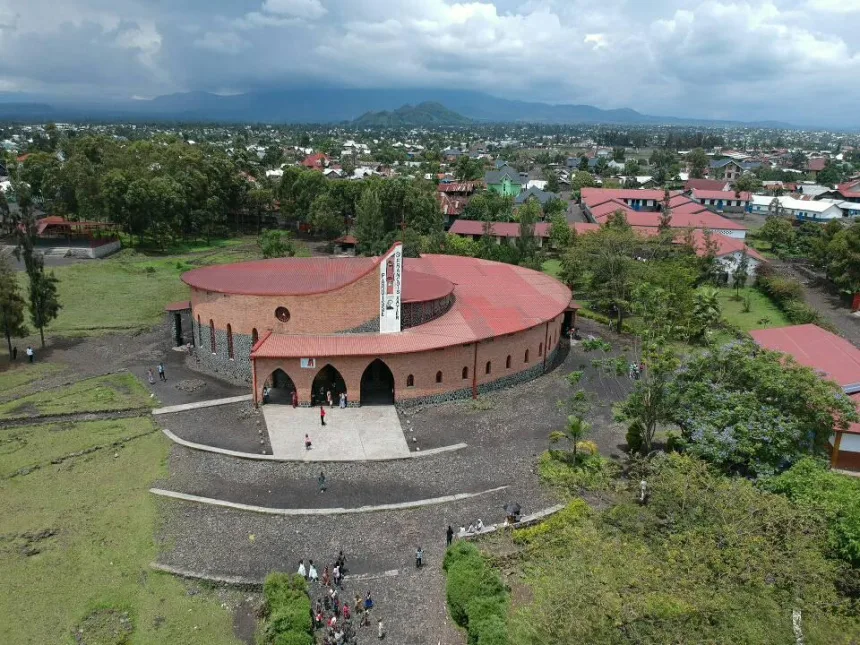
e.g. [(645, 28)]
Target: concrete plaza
[(351, 434)]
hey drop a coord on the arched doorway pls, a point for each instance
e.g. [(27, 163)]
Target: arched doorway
[(282, 388), (328, 379), (377, 384)]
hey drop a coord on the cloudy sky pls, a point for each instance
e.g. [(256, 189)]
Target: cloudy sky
[(794, 60)]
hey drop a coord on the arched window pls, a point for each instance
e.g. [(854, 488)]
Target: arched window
[(439, 376), (254, 336), (212, 346), (526, 360), (540, 349), (229, 341), (410, 381), (465, 372), (489, 367), (199, 331), (508, 362)]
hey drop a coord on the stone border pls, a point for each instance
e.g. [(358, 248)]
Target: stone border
[(253, 456), (182, 407), (251, 583), (287, 512)]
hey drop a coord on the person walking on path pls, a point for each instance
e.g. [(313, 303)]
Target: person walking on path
[(329, 399), (30, 353), (342, 400), (322, 415), (325, 578), (380, 630), (308, 445), (302, 571), (313, 576), (161, 374), (150, 376), (295, 400), (449, 535), (419, 558), (321, 482)]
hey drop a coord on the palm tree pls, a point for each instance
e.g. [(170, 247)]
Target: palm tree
[(706, 308), (576, 430)]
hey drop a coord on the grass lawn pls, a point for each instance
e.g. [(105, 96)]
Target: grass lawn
[(104, 519), (22, 373), (128, 291), (760, 307), (31, 446), (99, 394), (552, 267)]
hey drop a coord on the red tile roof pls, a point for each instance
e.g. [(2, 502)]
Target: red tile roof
[(849, 189), (421, 287), (607, 208), (182, 305), (281, 276), (347, 239), (830, 355), (595, 196), (705, 219), (816, 164), (725, 245), (458, 187), (704, 184), (315, 161), (491, 299)]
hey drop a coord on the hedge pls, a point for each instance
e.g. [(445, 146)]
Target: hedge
[(477, 599), (288, 610), (787, 293)]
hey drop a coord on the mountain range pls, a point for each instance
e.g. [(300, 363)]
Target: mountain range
[(320, 105), (424, 114)]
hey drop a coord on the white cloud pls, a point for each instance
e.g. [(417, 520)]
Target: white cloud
[(311, 9), (143, 38), (836, 6), (256, 20), (225, 42)]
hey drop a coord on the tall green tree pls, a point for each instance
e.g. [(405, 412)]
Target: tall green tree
[(697, 162), (529, 214), (551, 178), (560, 232), (44, 303), (843, 254), (12, 304), (369, 226), (707, 311), (325, 217), (575, 430)]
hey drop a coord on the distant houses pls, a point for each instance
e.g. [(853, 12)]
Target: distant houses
[(505, 181)]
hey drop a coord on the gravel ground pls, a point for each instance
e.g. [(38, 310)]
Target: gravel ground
[(235, 427), (218, 542)]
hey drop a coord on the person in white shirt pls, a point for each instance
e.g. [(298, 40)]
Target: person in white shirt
[(312, 572), (302, 571)]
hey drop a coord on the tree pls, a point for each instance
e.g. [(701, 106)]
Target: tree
[(631, 168), (601, 168), (468, 169), (618, 154), (746, 183), (755, 412), (44, 303), (665, 165), (843, 253), (370, 228), (778, 231), (325, 218), (741, 273), (11, 302), (529, 214), (583, 163), (551, 178), (574, 431), (665, 224), (707, 312), (276, 244), (798, 160), (582, 179), (830, 175), (559, 232), (697, 162)]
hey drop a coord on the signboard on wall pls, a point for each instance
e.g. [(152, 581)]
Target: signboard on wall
[(309, 363), (390, 289)]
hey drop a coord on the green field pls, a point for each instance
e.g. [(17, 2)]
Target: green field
[(99, 394), (20, 375), (29, 447), (761, 307), (104, 519), (128, 291)]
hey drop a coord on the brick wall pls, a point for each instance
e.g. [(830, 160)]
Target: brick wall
[(354, 306), (423, 367)]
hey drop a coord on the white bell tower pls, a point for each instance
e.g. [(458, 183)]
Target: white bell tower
[(390, 288)]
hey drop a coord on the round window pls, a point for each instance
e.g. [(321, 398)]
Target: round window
[(282, 314)]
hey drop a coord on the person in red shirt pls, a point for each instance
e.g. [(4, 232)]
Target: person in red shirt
[(322, 416)]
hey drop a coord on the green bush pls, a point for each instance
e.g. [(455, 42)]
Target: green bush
[(634, 438), (477, 599), (294, 638), (288, 608), (800, 313), (782, 290)]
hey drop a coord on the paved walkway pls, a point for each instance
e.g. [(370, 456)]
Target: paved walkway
[(202, 404), (351, 434)]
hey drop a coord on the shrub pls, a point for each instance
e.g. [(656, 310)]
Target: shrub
[(570, 515), (800, 313), (490, 631), (288, 608), (781, 289), (591, 472), (477, 599)]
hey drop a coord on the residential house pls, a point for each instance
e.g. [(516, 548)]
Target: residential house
[(722, 200), (849, 209), (534, 192), (509, 232), (815, 166), (729, 252), (799, 209), (316, 161), (730, 169), (848, 191), (835, 359), (505, 181)]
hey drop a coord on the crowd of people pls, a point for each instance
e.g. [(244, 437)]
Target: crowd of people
[(335, 615)]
